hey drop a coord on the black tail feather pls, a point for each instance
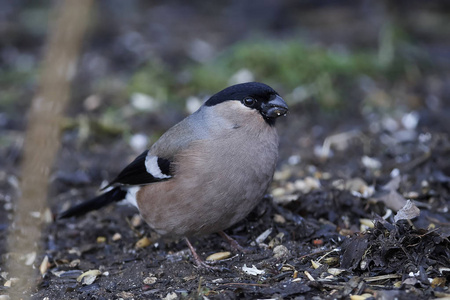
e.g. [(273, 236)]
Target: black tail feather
[(114, 195)]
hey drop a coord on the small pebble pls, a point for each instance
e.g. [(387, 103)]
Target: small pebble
[(171, 296), (280, 251), (279, 219), (92, 102), (150, 280), (125, 295)]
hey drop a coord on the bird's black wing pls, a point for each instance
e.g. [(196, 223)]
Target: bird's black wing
[(143, 170)]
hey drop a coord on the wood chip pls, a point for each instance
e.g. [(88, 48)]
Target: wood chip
[(117, 236), (381, 277), (263, 236), (438, 282), (252, 271), (125, 295)]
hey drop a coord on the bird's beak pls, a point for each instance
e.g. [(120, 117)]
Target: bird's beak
[(275, 108)]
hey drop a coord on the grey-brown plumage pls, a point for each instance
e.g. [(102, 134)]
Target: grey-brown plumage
[(205, 197), (208, 171)]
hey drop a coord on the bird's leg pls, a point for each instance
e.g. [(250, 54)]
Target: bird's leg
[(198, 261), (233, 243)]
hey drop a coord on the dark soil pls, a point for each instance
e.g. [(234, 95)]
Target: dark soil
[(321, 225)]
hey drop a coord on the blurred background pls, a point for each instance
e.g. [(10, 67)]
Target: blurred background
[(145, 63), (377, 67), (155, 58)]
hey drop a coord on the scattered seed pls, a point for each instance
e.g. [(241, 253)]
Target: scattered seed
[(219, 256), (117, 236), (309, 276), (361, 297), (315, 264), (263, 236), (335, 271), (278, 192), (331, 260), (48, 216), (88, 277), (136, 220), (101, 239), (30, 258), (367, 222), (142, 243), (279, 219), (44, 265), (74, 263)]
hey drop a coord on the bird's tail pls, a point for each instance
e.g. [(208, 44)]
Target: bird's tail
[(114, 195)]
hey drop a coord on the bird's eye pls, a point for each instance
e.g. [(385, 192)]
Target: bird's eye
[(249, 102)]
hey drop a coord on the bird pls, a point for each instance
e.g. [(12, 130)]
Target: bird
[(207, 172)]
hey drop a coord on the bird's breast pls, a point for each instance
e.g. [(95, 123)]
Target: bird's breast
[(217, 182)]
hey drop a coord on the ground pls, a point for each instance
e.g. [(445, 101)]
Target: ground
[(333, 224)]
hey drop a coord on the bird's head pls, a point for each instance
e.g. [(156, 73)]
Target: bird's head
[(254, 96)]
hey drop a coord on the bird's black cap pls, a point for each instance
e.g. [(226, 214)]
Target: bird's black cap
[(255, 95), (257, 90)]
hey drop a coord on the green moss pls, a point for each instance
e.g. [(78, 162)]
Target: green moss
[(324, 72)]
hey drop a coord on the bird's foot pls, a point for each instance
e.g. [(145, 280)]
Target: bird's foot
[(234, 244), (200, 263)]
